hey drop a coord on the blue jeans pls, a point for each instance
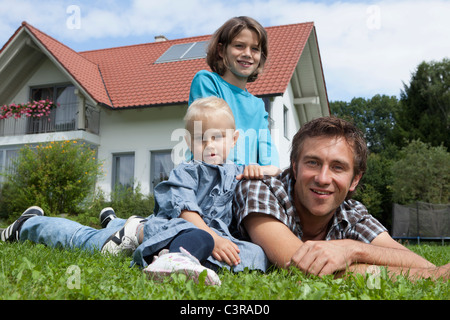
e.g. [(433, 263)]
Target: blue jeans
[(65, 233)]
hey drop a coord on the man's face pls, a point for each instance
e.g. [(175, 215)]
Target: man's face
[(324, 175)]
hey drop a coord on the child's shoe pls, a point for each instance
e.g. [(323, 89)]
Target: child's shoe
[(180, 262), (124, 241)]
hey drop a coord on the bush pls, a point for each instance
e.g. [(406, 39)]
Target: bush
[(57, 176), (125, 202)]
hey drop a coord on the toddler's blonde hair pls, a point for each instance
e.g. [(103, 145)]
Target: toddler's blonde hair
[(207, 108)]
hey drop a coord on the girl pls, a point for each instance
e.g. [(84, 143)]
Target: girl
[(237, 54)]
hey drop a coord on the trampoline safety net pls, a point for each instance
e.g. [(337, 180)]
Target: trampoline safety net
[(421, 220)]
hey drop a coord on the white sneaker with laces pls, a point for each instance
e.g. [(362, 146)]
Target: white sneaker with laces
[(180, 262), (124, 241)]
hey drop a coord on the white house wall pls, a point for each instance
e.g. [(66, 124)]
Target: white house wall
[(47, 74), (138, 131), (283, 142)]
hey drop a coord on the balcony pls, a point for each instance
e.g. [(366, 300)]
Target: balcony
[(63, 118)]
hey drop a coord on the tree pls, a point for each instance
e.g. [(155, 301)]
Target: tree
[(422, 174), (424, 111), (375, 117), (375, 190)]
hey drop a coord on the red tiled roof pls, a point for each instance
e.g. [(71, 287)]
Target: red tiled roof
[(128, 77), (133, 78)]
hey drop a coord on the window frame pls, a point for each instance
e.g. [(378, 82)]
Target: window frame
[(153, 155), (116, 156)]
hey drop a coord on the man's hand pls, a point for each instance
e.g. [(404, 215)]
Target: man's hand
[(321, 258)]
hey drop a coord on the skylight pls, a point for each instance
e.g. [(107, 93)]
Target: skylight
[(184, 51)]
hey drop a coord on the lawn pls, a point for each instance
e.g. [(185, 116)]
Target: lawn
[(35, 272)]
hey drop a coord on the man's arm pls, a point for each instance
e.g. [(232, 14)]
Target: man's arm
[(327, 257), (284, 249), (434, 273), (277, 241), (385, 251)]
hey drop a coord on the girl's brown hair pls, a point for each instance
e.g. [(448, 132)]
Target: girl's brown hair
[(223, 37)]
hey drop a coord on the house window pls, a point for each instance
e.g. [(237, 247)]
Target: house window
[(285, 122), (161, 165), (64, 118), (123, 171), (7, 158), (10, 157), (1, 166)]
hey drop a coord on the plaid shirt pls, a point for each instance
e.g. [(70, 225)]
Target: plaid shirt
[(273, 196)]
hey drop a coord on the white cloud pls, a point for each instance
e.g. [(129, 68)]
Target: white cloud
[(143, 18), (367, 47), (370, 48)]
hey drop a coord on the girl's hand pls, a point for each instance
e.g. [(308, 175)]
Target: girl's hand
[(255, 171), (226, 251)]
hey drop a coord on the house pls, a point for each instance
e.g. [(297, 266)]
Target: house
[(128, 102)]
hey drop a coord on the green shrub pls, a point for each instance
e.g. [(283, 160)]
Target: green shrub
[(422, 174), (125, 202), (57, 176)]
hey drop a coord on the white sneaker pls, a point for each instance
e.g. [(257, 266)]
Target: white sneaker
[(124, 241), (180, 262)]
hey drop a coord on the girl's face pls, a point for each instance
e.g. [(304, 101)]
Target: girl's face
[(243, 55), (211, 140)]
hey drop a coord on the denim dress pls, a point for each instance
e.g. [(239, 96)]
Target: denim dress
[(208, 190)]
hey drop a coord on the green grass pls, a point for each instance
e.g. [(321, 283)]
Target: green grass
[(35, 272)]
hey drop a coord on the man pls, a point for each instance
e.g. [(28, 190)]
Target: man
[(304, 217)]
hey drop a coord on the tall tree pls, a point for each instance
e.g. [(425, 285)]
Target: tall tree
[(375, 117), (424, 111)]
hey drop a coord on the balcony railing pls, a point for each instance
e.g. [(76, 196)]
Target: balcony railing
[(63, 118)]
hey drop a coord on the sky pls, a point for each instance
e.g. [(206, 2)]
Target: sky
[(367, 47)]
